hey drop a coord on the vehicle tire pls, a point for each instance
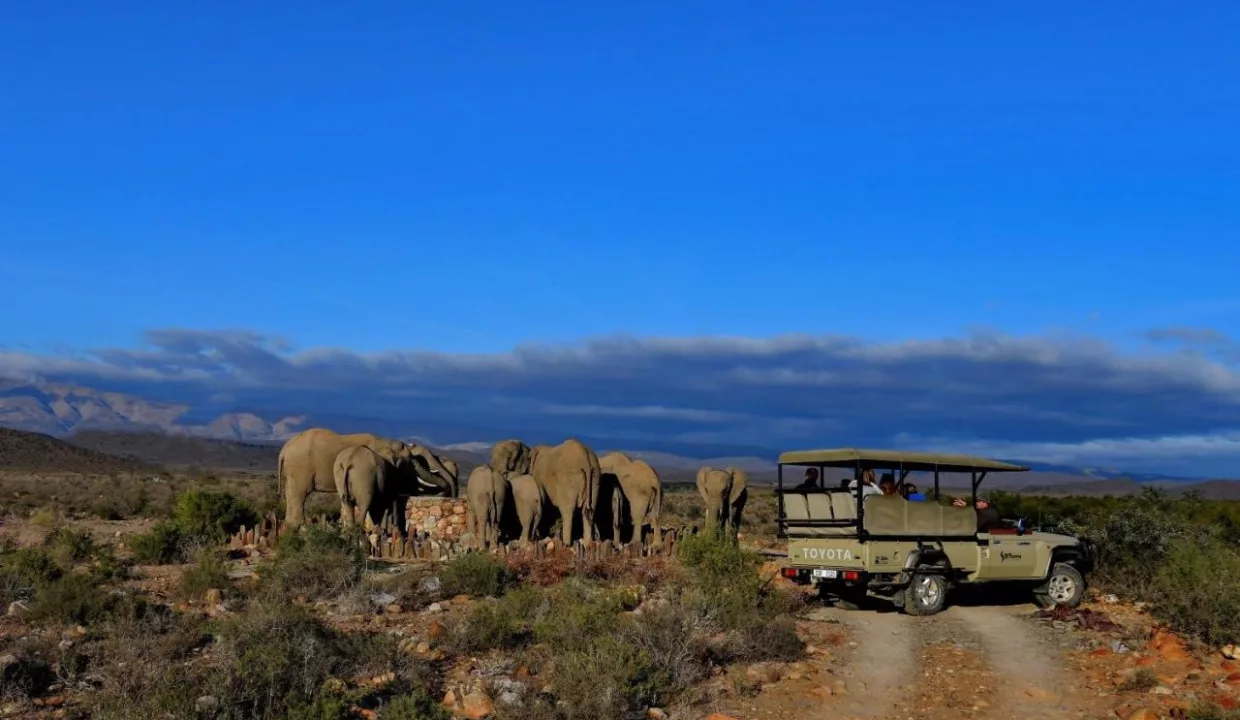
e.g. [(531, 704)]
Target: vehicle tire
[(926, 594), (1064, 586)]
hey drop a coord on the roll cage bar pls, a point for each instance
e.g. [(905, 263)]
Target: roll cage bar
[(900, 463)]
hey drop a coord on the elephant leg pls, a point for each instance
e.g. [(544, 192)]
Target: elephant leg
[(294, 503), (347, 518), (568, 513), (589, 533)]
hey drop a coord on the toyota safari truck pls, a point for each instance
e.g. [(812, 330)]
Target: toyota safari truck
[(859, 544)]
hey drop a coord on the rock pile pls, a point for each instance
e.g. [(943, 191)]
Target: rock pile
[(440, 518)]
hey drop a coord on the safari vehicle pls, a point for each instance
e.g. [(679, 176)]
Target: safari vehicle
[(857, 545)]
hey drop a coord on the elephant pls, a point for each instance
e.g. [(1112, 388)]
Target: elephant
[(488, 494), (569, 474), (528, 497), (640, 497), (307, 464), (738, 497), (724, 492), (510, 456), (373, 480), (443, 472)]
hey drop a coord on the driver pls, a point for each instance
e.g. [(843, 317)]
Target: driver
[(987, 516), (810, 482)]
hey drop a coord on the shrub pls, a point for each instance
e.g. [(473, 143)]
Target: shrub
[(578, 614), (213, 516), (274, 659), (23, 572), (25, 675), (163, 545), (206, 574), (67, 546), (504, 623), (475, 573), (725, 574), (609, 678), (416, 705), (1195, 589), (316, 563), (1142, 680)]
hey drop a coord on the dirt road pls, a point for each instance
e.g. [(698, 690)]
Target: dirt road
[(967, 662)]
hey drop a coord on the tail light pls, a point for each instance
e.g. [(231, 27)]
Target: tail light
[(852, 575), (790, 573)]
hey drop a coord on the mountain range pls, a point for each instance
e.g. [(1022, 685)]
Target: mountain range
[(163, 433)]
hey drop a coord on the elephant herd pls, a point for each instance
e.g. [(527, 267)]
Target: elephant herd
[(370, 473), (613, 497)]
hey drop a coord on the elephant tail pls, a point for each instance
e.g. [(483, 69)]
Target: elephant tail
[(280, 477)]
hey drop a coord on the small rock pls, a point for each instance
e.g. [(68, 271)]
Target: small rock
[(393, 609), (382, 599), (17, 608), (423, 648), (65, 645), (1110, 599), (206, 704), (1231, 652), (476, 705), (1118, 647), (1142, 714), (430, 584), (655, 713), (1161, 690), (434, 608)]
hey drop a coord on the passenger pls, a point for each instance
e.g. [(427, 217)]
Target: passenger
[(888, 485), (910, 492), (810, 483), (867, 484), (987, 516)]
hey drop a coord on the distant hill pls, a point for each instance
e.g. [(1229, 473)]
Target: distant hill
[(177, 451), (22, 451)]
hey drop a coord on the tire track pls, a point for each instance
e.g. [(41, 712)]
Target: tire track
[(883, 658)]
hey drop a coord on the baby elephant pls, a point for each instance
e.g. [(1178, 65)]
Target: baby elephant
[(528, 497), (367, 480)]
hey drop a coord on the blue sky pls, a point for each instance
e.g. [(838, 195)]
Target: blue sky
[(466, 178)]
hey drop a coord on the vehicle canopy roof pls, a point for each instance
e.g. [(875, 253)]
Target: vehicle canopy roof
[(895, 460)]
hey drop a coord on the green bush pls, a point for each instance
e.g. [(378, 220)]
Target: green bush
[(206, 574), (608, 679), (416, 705), (504, 623), (475, 573), (23, 572), (163, 545), (212, 516), (577, 615), (1195, 589), (725, 574), (67, 546), (316, 563)]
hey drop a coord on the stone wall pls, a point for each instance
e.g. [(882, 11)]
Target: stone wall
[(440, 518)]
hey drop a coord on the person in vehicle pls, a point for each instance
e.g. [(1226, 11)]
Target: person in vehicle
[(887, 485), (810, 482), (987, 516), (867, 484), (910, 492)]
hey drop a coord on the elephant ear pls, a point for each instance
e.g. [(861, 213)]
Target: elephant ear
[(702, 472)]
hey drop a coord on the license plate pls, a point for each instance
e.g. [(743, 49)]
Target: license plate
[(828, 574)]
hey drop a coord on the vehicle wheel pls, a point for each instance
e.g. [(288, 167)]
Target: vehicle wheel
[(1065, 586), (926, 594)]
